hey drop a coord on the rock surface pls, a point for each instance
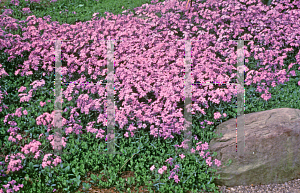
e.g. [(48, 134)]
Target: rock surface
[(271, 153)]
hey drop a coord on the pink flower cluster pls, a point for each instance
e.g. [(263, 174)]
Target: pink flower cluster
[(1, 97), (45, 163), (15, 188), (15, 2), (32, 147), (19, 137), (38, 83), (26, 10), (26, 97), (14, 165), (22, 89), (51, 137), (18, 113), (43, 118), (2, 73), (201, 148), (217, 115)]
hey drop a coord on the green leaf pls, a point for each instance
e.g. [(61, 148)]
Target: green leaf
[(30, 165), (94, 177), (67, 168)]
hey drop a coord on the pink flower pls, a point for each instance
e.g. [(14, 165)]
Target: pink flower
[(10, 138), (12, 182), (202, 154), (126, 134), (192, 150), (38, 83), (15, 2), (19, 137), (16, 188), (95, 14), (25, 112), (176, 179), (160, 171), (44, 164), (26, 10), (208, 161), (217, 162), (18, 112), (293, 73), (68, 130), (42, 103), (22, 89), (57, 161), (152, 168), (40, 135)]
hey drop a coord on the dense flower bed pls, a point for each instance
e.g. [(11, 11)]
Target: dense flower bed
[(141, 56)]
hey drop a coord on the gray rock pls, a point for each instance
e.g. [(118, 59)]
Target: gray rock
[(271, 153)]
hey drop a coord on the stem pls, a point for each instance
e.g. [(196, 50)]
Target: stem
[(125, 163)]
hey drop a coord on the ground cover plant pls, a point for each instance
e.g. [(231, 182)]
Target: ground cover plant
[(27, 66)]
